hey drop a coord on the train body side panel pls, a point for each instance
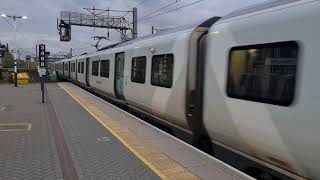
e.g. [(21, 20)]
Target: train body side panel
[(103, 83), (166, 103)]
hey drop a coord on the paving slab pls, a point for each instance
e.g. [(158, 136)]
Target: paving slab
[(26, 154)]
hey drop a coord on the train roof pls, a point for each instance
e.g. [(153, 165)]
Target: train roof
[(258, 7), (190, 27), (174, 30)]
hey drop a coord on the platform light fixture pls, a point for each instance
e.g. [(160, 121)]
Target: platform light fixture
[(24, 17), (3, 15)]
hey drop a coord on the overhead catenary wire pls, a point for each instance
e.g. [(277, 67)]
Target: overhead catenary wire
[(83, 44), (143, 1), (170, 11), (164, 7), (83, 47), (10, 24), (126, 13), (140, 3)]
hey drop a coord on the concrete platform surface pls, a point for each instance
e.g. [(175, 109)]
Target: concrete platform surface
[(75, 135)]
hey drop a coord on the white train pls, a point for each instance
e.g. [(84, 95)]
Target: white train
[(247, 80)]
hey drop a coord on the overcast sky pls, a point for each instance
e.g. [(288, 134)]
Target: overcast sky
[(40, 27)]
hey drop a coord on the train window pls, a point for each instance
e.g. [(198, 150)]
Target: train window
[(82, 67), (263, 73), (162, 70), (66, 67), (138, 69), (95, 68), (104, 68), (79, 65)]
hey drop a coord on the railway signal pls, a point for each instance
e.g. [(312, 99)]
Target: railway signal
[(64, 31)]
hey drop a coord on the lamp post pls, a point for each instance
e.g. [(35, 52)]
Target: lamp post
[(14, 18)]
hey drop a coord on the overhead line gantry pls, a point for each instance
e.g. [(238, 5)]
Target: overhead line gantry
[(98, 18)]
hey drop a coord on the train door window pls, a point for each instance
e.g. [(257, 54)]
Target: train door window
[(82, 67), (104, 68), (73, 67), (79, 67), (66, 67), (162, 70), (263, 73), (138, 69), (95, 68)]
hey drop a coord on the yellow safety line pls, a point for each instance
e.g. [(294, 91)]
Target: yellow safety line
[(146, 162)]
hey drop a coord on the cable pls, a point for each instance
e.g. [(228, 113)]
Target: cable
[(22, 35), (83, 47), (16, 31), (83, 44), (158, 10), (181, 7), (7, 22), (143, 1)]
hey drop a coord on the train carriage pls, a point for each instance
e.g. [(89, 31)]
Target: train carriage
[(260, 76), (246, 81)]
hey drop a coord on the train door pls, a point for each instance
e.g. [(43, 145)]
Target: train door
[(76, 69), (119, 75), (87, 71), (69, 66), (62, 68)]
